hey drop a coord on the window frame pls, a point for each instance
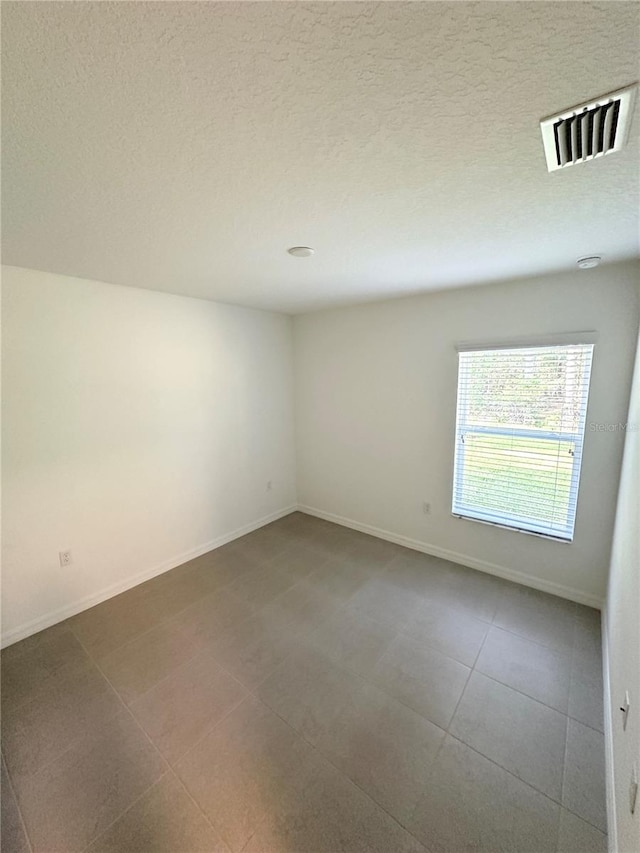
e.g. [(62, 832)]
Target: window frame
[(500, 518)]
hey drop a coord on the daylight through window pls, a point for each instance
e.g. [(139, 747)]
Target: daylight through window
[(519, 434)]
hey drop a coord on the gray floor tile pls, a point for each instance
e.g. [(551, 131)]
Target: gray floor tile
[(252, 650), (117, 621), (587, 637), (339, 578), (586, 696), (516, 732), (382, 600), (261, 586), (73, 799), (139, 665), (12, 832), (455, 634), (68, 707), (470, 805), (354, 643), (539, 671), (425, 680), (342, 635), (300, 609), (263, 544), (309, 691), (475, 593), (164, 820), (299, 560), (577, 836), (326, 812), (538, 616), (223, 566), (183, 707), (208, 620), (384, 747), (241, 771), (27, 666), (583, 791), (372, 553), (417, 573), (176, 590)]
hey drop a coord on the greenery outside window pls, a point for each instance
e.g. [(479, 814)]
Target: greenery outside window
[(519, 435)]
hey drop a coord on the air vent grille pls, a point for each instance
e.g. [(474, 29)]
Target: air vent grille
[(589, 130)]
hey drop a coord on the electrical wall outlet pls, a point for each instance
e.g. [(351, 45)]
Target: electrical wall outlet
[(426, 508), (65, 558)]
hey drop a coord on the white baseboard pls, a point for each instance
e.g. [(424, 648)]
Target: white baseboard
[(612, 827), (462, 559), (55, 616)]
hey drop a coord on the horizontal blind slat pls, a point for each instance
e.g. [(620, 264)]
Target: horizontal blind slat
[(519, 431)]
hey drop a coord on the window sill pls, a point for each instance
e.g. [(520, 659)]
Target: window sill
[(560, 540)]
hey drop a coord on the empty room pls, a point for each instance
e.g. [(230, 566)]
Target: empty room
[(320, 427)]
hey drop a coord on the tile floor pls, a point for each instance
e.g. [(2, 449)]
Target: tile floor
[(308, 688)]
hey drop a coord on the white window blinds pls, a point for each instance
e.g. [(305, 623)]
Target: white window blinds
[(519, 434)]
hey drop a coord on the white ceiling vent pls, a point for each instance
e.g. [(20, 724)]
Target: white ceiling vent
[(588, 130)]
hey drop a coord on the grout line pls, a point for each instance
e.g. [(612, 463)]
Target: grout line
[(208, 820), (17, 804), (137, 725), (326, 756), (162, 757), (128, 809), (271, 563)]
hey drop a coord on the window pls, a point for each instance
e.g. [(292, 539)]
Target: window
[(519, 433)]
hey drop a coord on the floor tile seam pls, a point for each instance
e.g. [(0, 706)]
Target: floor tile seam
[(539, 701), (564, 650), (144, 734), (259, 609), (205, 650), (521, 692), (10, 708), (464, 689), (168, 766), (126, 810), (585, 725), (75, 741), (327, 756), (564, 770), (80, 738), (210, 730), (368, 680), (431, 648), (174, 761), (192, 655), (584, 820), (449, 605), (18, 807), (208, 820), (162, 622), (555, 802)]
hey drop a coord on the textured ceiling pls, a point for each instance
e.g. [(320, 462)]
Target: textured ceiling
[(184, 146)]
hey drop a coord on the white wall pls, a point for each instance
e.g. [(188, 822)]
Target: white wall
[(622, 637), (375, 394), (138, 427)]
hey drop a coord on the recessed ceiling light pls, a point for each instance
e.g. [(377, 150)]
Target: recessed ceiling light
[(589, 263), (301, 251)]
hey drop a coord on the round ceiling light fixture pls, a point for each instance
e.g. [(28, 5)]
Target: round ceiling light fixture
[(589, 263), (301, 251)]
